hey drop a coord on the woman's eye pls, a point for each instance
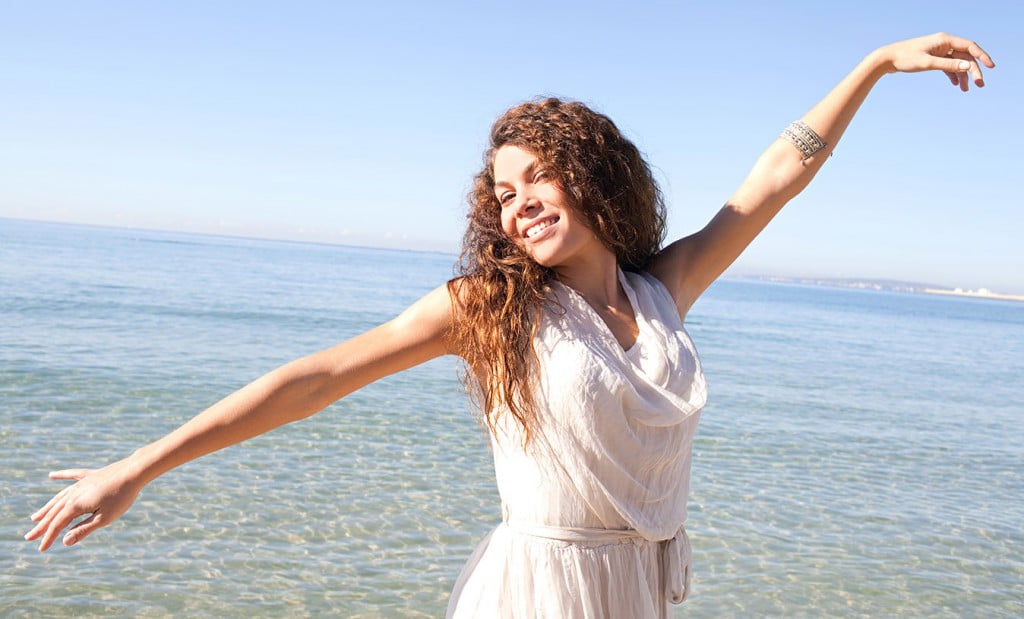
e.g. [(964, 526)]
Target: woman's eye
[(506, 198), (540, 177)]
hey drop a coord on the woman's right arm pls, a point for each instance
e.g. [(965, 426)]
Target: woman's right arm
[(291, 392)]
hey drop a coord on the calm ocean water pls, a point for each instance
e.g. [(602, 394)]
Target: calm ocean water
[(861, 455)]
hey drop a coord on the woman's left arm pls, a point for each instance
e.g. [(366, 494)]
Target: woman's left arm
[(688, 266)]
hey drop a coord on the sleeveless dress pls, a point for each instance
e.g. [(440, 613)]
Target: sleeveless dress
[(593, 508)]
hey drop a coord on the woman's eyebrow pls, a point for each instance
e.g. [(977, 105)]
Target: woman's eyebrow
[(527, 172)]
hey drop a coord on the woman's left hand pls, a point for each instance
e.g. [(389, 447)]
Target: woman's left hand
[(955, 56)]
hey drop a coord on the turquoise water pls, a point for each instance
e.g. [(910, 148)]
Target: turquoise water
[(861, 454)]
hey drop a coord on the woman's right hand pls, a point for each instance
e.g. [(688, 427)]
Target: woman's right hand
[(104, 494), (960, 59)]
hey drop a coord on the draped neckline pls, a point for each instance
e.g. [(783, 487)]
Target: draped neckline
[(602, 326)]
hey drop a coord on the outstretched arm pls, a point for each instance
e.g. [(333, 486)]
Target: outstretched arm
[(688, 266), (292, 392)]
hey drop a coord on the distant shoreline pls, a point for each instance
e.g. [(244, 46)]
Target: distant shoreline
[(887, 286), (978, 294)]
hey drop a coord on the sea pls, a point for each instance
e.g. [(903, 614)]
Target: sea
[(861, 455)]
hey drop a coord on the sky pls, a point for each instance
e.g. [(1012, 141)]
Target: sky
[(363, 123)]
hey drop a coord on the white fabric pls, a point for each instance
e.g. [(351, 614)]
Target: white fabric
[(593, 508)]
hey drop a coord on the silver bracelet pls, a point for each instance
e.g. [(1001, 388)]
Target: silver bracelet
[(804, 138)]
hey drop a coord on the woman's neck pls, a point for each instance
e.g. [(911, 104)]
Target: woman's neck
[(595, 278)]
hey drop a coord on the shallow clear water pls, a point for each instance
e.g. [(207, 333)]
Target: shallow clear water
[(860, 455)]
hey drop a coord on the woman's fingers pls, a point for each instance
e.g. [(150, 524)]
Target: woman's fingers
[(36, 530), (70, 473), (79, 532), (75, 474), (42, 510), (961, 68), (953, 78), (45, 517), (972, 68), (59, 522), (59, 511), (961, 59), (959, 44)]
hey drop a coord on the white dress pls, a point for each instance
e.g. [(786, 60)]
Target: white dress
[(593, 508)]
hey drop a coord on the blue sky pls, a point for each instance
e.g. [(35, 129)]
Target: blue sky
[(363, 124)]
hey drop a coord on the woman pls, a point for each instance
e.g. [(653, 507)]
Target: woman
[(569, 317)]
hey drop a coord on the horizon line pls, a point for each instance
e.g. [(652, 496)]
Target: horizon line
[(739, 272)]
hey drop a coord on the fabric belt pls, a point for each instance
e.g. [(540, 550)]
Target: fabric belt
[(676, 554)]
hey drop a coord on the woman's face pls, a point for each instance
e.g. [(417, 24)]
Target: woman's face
[(536, 214)]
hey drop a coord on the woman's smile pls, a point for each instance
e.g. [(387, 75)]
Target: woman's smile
[(535, 231)]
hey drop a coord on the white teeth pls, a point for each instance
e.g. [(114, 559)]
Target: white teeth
[(537, 229)]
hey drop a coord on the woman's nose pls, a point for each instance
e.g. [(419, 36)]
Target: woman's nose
[(527, 202)]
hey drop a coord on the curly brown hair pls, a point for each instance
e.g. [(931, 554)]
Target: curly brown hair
[(501, 289)]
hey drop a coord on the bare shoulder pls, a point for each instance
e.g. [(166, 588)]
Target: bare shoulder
[(419, 334), (671, 267), (430, 319)]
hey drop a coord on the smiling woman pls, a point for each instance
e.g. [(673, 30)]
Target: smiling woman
[(549, 162), (534, 209), (569, 316)]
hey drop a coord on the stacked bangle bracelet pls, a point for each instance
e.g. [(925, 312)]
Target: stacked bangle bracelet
[(804, 138)]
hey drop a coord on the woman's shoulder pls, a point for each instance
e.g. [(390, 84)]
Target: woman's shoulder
[(664, 289), (429, 319)]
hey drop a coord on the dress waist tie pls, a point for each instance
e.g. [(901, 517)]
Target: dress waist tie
[(678, 558), (676, 554)]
